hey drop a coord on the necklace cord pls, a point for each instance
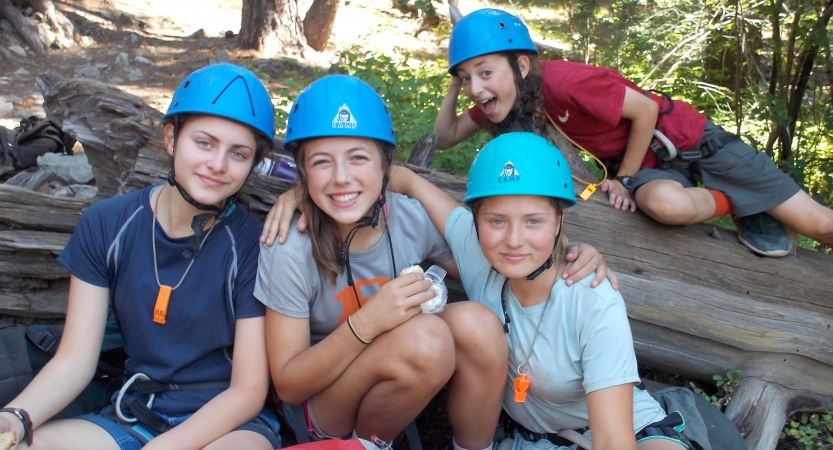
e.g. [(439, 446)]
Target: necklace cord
[(153, 244)]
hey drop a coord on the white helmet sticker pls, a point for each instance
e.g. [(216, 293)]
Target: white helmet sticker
[(344, 118), (509, 170)]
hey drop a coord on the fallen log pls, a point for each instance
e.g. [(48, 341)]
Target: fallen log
[(699, 302)]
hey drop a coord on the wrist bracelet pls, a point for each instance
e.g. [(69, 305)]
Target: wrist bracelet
[(350, 325), (21, 414)]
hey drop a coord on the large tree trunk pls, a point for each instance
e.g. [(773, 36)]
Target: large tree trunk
[(318, 23), (699, 303), (272, 27)]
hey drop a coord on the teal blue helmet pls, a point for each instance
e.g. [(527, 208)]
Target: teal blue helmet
[(487, 31), (227, 91), (520, 164), (338, 105)]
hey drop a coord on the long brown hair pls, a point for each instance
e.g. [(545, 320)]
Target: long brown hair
[(534, 109), (323, 230)]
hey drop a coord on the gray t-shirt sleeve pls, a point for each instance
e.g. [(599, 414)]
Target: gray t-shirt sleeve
[(283, 280), (461, 237), (414, 226), (607, 355)]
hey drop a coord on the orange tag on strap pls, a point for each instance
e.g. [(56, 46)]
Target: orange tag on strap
[(591, 188), (160, 310), (521, 385)]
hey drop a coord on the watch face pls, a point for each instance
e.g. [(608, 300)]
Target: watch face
[(626, 181)]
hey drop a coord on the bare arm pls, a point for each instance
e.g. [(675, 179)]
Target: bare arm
[(73, 366), (238, 404), (300, 371), (610, 411), (450, 128), (643, 113), (436, 202)]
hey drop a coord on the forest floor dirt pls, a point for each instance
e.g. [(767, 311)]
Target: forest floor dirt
[(146, 47)]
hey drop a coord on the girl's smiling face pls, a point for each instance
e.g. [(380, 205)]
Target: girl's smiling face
[(489, 82), (213, 157), (517, 232), (344, 177)]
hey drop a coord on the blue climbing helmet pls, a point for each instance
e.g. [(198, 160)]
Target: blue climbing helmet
[(338, 105), (520, 163), (487, 31), (228, 91)]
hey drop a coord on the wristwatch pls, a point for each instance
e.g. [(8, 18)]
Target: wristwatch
[(21, 414), (626, 181)]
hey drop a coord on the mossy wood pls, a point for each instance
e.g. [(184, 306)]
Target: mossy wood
[(699, 302)]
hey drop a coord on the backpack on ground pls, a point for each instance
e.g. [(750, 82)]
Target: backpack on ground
[(34, 137), (25, 350), (705, 425)]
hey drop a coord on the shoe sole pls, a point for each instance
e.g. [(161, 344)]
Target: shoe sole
[(771, 254)]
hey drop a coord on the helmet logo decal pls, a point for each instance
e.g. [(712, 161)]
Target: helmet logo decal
[(509, 173), (344, 118)]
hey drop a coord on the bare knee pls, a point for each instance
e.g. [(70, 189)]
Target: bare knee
[(667, 204), (424, 351), (820, 225), (478, 333)]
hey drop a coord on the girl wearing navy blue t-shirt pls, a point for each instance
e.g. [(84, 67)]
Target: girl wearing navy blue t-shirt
[(177, 264)]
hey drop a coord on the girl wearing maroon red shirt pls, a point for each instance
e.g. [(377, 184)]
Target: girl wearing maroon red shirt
[(493, 58)]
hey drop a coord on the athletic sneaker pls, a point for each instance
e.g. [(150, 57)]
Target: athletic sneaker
[(763, 234)]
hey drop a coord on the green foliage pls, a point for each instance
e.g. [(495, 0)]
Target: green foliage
[(413, 90), (725, 388), (808, 431), (424, 8), (720, 57)]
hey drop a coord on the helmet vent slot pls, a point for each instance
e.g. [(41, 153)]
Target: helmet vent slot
[(501, 24), (187, 83)]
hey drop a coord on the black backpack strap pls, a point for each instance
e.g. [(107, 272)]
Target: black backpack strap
[(412, 434), (8, 150), (298, 421)]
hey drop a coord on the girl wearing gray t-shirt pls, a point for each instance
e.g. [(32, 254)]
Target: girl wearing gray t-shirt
[(345, 333)]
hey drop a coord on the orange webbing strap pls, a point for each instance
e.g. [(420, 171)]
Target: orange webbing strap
[(591, 187)]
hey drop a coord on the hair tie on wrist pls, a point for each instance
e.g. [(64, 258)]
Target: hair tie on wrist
[(350, 325)]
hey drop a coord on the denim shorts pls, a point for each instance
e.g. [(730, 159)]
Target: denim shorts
[(127, 435)]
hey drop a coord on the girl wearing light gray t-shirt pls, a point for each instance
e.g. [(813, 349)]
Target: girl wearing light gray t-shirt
[(571, 359)]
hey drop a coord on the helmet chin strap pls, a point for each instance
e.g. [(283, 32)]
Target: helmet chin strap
[(199, 221), (548, 263), (366, 221), (519, 114)]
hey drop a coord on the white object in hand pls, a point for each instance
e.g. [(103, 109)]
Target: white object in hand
[(435, 275)]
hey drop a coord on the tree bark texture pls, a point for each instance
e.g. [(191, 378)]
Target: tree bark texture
[(699, 303), (272, 27), (61, 25), (28, 33), (318, 23)]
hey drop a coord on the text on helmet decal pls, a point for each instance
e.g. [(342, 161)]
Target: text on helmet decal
[(509, 173), (344, 118)]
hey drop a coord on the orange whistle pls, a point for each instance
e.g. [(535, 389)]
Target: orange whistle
[(521, 385), (586, 193), (160, 310)]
